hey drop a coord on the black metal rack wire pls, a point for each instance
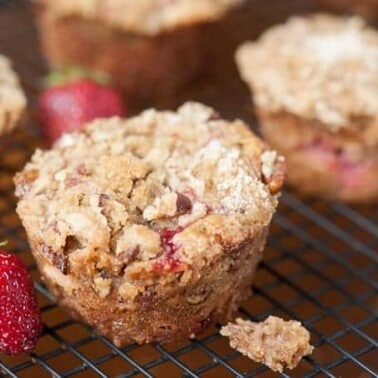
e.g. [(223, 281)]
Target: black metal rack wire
[(320, 266)]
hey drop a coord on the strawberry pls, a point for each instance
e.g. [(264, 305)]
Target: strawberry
[(169, 261), (20, 320), (73, 98)]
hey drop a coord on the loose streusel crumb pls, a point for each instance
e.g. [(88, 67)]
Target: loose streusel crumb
[(144, 16), (325, 68), (274, 342), (12, 97)]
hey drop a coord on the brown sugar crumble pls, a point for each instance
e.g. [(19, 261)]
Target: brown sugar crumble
[(274, 342)]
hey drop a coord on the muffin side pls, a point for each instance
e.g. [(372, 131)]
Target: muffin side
[(166, 310), (337, 166)]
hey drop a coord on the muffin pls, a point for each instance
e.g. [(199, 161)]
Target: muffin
[(365, 8), (12, 97), (150, 47), (150, 228), (317, 102)]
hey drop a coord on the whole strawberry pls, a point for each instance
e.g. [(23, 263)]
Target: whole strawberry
[(20, 321), (73, 98)]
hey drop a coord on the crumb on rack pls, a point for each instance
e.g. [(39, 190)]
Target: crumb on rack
[(274, 342)]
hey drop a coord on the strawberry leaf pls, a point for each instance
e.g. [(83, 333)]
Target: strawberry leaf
[(71, 73)]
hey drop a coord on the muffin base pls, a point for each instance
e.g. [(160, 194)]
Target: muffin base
[(318, 161), (167, 310), (143, 66)]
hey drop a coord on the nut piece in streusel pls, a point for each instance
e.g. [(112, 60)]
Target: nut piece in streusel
[(317, 102), (150, 228), (274, 342), (12, 97)]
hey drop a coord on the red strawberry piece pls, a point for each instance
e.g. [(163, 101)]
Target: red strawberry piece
[(169, 261), (20, 320), (67, 107)]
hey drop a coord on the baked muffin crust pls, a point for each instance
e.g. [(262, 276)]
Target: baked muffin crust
[(325, 68), (143, 16), (12, 97), (153, 213)]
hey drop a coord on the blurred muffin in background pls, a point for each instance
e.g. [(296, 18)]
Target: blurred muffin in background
[(365, 8), (12, 97), (315, 86), (150, 47)]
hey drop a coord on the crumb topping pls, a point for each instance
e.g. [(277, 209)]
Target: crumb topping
[(147, 193), (274, 342), (325, 68), (12, 97), (144, 16)]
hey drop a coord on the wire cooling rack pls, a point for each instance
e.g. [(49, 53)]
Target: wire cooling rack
[(320, 263)]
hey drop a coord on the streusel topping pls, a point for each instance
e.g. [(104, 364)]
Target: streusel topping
[(320, 67), (12, 97), (136, 188), (144, 16)]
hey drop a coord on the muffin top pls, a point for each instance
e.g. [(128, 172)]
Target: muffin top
[(143, 16), (132, 192), (322, 68), (12, 97)]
